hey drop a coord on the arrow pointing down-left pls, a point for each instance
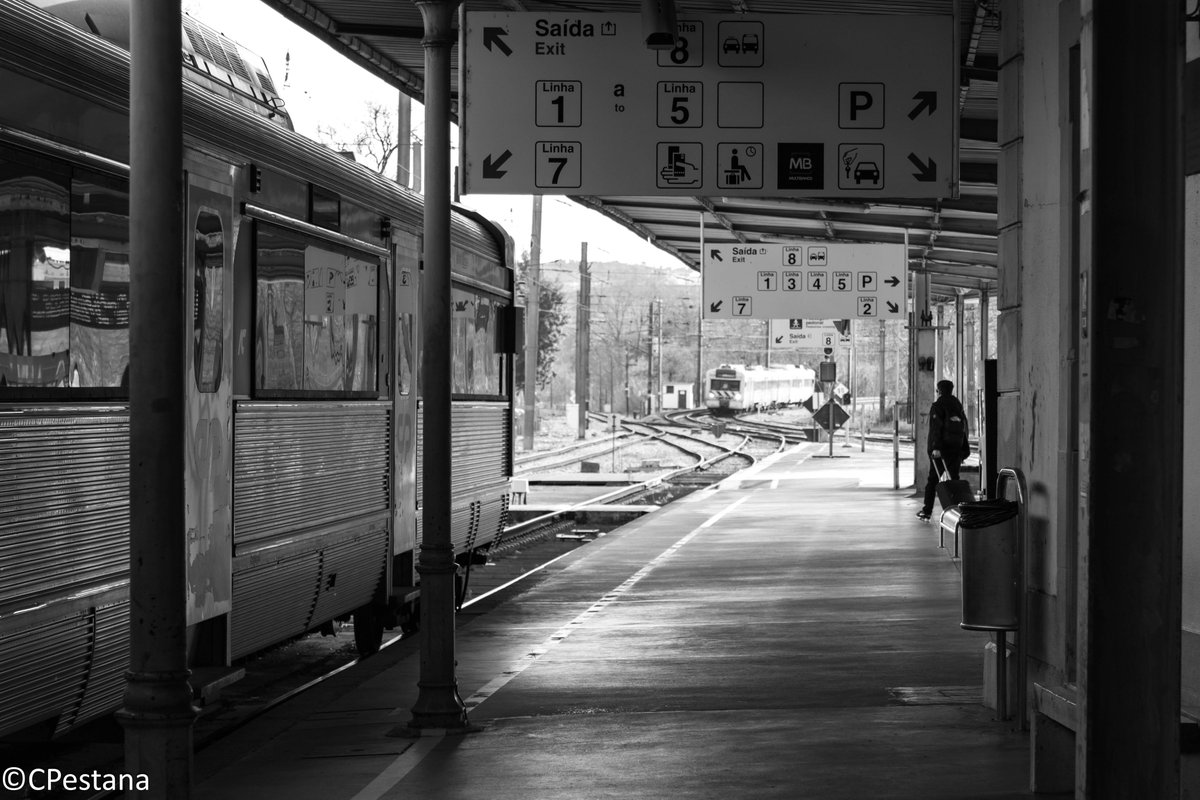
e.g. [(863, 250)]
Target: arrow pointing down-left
[(491, 169)]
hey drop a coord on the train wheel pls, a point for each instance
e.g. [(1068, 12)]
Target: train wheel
[(368, 629)]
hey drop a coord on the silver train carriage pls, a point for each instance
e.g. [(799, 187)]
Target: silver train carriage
[(734, 388), (303, 422)]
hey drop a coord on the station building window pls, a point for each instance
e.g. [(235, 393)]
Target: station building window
[(64, 279), (317, 309)]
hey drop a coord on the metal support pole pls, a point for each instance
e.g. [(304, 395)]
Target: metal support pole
[(924, 338), (960, 382), (438, 704), (984, 314), (700, 326), (895, 446), (1001, 669), (157, 713)]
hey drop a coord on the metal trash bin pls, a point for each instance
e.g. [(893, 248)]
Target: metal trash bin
[(949, 524), (990, 566)]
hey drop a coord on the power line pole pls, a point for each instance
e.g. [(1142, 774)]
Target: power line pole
[(533, 296), (650, 360), (404, 140), (582, 335), (658, 344), (882, 369)]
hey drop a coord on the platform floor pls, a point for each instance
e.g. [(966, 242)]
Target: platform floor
[(791, 633)]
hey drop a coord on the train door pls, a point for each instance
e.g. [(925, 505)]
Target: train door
[(209, 246), (406, 265)]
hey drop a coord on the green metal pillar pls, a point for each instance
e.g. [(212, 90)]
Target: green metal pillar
[(438, 704), (157, 714)]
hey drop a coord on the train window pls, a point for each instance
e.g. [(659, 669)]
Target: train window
[(317, 329), (64, 280), (478, 367), (405, 356), (282, 193), (208, 315), (361, 223), (731, 384), (482, 270), (362, 324), (324, 209)]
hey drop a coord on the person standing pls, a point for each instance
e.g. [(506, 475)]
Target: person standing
[(947, 441)]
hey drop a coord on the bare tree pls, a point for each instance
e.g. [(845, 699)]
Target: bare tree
[(374, 143)]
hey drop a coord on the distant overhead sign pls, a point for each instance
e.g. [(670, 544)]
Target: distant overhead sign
[(807, 334), (832, 280), (792, 105)]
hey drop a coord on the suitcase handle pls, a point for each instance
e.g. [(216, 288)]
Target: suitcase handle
[(943, 472)]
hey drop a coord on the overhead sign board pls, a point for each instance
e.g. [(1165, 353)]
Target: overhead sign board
[(784, 105), (832, 280), (806, 334)]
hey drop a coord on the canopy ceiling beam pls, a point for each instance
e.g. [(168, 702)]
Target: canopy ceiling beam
[(721, 219)]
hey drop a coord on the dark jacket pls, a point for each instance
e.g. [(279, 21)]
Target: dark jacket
[(942, 410)]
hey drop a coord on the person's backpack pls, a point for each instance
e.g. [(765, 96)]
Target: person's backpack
[(954, 432)]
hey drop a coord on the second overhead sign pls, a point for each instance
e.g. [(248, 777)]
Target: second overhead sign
[(805, 281)]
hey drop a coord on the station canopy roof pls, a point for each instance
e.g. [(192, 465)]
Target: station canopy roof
[(953, 239)]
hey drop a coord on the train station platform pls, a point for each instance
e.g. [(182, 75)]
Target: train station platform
[(791, 633)]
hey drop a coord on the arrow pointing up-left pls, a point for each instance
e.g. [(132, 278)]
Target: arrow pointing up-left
[(715, 255), (491, 169), (493, 36)]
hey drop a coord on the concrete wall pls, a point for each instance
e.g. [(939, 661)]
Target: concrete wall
[(1034, 253), (1038, 319), (1191, 432)]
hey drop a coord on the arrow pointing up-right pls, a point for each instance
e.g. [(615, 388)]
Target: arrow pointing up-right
[(925, 100)]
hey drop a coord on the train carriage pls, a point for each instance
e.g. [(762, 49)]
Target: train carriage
[(303, 418), (735, 388)]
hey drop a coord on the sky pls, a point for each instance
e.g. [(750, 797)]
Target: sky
[(325, 89)]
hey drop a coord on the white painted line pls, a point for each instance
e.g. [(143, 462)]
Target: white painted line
[(404, 763), (522, 577)]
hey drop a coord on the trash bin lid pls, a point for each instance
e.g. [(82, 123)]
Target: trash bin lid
[(985, 513)]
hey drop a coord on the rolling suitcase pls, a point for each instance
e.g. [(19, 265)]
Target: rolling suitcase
[(952, 492)]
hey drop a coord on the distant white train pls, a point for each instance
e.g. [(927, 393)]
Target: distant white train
[(733, 388)]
